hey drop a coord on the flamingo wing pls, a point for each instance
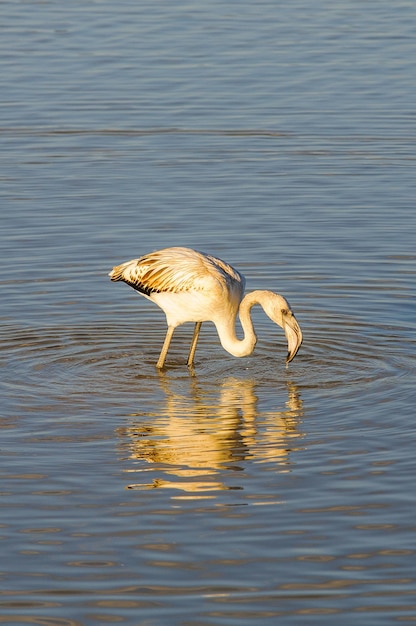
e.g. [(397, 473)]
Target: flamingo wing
[(175, 270)]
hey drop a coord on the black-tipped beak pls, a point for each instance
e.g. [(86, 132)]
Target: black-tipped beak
[(293, 335)]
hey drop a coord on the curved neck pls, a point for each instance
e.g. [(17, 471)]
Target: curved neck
[(226, 328)]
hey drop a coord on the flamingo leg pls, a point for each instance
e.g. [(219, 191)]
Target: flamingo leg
[(193, 344), (162, 357)]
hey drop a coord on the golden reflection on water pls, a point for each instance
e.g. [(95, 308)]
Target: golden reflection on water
[(196, 435)]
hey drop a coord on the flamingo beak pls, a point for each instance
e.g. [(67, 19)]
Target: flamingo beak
[(293, 335)]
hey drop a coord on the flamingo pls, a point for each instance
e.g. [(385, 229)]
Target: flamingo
[(191, 286)]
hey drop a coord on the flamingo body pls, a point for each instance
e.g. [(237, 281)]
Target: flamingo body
[(190, 286)]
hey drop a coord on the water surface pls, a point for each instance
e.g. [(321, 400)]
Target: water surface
[(280, 139)]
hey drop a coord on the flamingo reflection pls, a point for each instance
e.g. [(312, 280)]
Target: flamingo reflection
[(196, 435)]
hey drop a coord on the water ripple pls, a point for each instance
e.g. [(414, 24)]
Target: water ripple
[(339, 351)]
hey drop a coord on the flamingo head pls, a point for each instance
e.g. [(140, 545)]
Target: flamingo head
[(278, 309)]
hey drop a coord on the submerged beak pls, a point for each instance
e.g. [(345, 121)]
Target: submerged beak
[(293, 335)]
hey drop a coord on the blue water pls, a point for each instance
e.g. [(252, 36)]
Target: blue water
[(281, 139)]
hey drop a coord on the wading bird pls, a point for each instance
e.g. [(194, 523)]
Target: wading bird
[(190, 286)]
